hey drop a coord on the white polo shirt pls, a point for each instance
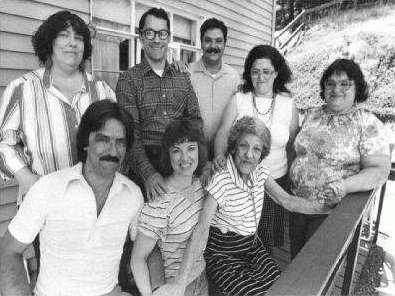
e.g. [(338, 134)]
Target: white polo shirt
[(80, 252)]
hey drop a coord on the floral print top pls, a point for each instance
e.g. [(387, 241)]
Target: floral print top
[(330, 146)]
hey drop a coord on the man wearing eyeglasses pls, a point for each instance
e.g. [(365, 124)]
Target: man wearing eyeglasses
[(154, 93)]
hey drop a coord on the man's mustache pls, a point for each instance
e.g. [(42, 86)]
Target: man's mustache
[(110, 158), (213, 50)]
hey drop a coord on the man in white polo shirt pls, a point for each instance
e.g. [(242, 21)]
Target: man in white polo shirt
[(82, 214)]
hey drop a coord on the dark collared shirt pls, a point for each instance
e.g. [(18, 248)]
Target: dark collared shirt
[(154, 101)]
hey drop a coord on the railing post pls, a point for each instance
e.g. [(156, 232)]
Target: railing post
[(351, 261)]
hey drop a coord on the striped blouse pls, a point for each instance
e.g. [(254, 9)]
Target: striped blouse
[(171, 221), (239, 204), (38, 124)]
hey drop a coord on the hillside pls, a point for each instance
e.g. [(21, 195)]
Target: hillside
[(368, 36)]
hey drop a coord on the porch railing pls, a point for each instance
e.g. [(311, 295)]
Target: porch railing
[(332, 250)]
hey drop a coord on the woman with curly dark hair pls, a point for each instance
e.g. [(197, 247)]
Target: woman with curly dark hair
[(40, 111), (264, 95), (341, 148)]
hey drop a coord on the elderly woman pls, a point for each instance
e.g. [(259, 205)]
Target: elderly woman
[(237, 262), (264, 95), (171, 220), (340, 149), (40, 111)]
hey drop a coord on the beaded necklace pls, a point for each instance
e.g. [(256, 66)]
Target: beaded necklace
[(269, 111)]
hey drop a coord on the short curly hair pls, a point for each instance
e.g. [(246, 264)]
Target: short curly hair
[(280, 65), (180, 131), (249, 125), (353, 72), (43, 38)]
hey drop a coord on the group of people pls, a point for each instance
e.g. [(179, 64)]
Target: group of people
[(188, 168)]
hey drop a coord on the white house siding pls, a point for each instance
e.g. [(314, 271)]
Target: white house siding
[(249, 23)]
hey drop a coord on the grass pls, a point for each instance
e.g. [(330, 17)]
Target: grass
[(366, 35)]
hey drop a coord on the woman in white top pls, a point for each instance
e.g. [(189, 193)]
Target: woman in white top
[(265, 96)]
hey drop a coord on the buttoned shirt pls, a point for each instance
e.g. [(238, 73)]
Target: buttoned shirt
[(239, 203), (80, 251), (154, 101), (38, 124), (214, 92)]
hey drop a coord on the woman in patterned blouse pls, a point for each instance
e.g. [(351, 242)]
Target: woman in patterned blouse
[(341, 148)]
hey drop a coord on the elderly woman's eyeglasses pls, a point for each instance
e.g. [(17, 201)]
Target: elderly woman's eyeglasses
[(344, 85), (149, 34)]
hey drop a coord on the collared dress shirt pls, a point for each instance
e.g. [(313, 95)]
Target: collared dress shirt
[(214, 93), (38, 124), (154, 101), (80, 251)]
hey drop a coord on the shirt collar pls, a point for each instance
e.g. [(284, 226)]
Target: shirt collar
[(76, 175), (236, 178), (147, 67), (200, 67), (47, 79)]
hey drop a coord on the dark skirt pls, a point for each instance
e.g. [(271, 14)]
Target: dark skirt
[(239, 265)]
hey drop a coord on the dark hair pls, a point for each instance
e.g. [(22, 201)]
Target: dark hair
[(94, 119), (180, 131), (249, 125), (213, 23), (284, 73), (43, 38), (353, 72), (156, 12)]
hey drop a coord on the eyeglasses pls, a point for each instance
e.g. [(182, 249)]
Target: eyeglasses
[(265, 72), (150, 34), (344, 85)]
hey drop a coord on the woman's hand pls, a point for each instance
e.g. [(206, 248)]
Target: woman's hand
[(219, 163), (332, 193), (206, 175)]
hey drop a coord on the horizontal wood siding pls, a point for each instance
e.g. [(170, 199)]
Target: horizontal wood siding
[(249, 22)]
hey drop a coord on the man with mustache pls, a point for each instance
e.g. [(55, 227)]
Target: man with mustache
[(213, 81), (154, 93), (82, 213)]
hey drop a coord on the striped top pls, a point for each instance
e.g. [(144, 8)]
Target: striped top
[(171, 221), (154, 101), (239, 204), (38, 124)]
